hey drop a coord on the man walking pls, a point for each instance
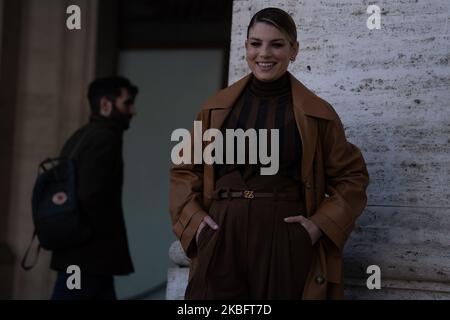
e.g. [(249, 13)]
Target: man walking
[(99, 164)]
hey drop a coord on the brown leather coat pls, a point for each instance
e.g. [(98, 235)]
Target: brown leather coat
[(334, 176)]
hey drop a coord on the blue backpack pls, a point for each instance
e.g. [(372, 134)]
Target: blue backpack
[(56, 216)]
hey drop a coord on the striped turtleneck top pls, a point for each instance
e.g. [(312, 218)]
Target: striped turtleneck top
[(266, 105)]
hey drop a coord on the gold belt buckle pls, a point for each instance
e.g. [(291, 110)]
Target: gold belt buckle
[(248, 194)]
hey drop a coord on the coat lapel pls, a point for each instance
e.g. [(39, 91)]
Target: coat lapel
[(225, 98), (306, 126), (217, 117), (308, 106)]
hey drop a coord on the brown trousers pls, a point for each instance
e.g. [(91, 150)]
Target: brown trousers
[(254, 254)]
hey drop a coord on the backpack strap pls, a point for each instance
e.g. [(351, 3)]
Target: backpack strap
[(38, 250)]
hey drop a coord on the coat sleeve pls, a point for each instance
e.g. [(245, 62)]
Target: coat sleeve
[(185, 202), (346, 179)]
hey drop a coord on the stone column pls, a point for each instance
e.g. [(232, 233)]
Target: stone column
[(1, 29), (9, 50), (54, 67), (177, 276)]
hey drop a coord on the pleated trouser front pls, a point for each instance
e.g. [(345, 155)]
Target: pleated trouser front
[(254, 254)]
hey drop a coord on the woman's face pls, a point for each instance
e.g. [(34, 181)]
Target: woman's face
[(268, 51)]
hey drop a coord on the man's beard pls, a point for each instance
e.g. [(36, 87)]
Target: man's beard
[(121, 119)]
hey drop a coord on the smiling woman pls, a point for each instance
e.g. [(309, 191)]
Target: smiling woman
[(271, 44), (255, 236)]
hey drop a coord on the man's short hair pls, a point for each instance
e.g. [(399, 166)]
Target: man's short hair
[(108, 87)]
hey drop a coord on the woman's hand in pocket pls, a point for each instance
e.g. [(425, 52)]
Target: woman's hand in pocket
[(207, 221), (314, 232)]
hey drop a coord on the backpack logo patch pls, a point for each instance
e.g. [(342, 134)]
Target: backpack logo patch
[(59, 198)]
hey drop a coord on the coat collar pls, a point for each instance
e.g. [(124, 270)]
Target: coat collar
[(303, 99)]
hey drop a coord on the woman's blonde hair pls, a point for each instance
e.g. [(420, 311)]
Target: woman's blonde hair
[(278, 18)]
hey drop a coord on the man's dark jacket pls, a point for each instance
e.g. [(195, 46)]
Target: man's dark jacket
[(99, 167)]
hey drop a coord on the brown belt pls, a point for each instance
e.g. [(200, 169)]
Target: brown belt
[(250, 194)]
